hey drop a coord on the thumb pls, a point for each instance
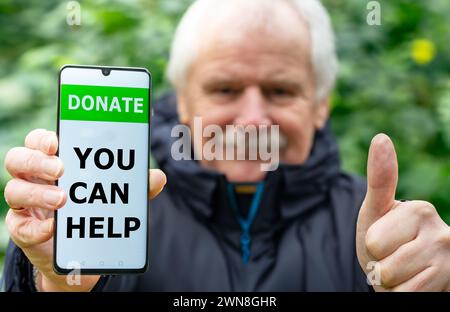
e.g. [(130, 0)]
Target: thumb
[(157, 180), (382, 176)]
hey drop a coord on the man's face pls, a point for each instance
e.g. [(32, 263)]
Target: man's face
[(257, 80)]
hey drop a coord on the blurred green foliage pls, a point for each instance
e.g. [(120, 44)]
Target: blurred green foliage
[(394, 78)]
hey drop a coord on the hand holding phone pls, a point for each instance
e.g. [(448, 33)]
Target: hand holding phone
[(30, 218), (33, 198)]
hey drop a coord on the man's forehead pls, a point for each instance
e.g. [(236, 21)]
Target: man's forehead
[(260, 57), (275, 68), (254, 44)]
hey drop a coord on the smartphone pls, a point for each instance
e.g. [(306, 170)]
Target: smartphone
[(103, 131)]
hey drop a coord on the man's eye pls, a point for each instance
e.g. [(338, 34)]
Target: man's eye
[(227, 90), (280, 92)]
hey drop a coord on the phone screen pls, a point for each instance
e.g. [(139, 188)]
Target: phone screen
[(103, 131)]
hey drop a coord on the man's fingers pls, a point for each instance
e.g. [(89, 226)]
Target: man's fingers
[(42, 140), (22, 162), (407, 261), (23, 194), (157, 181), (27, 231), (382, 177), (399, 226), (427, 280)]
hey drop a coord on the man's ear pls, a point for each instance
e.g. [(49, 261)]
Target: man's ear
[(322, 113), (182, 109)]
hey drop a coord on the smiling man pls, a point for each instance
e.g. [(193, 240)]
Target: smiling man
[(227, 225)]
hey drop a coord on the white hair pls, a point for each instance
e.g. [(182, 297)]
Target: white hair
[(203, 13)]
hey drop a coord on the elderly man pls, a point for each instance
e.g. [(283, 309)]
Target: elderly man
[(227, 225)]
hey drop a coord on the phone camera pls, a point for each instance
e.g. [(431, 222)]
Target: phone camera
[(106, 71)]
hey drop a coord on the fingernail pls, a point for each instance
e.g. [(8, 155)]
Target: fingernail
[(52, 197), (48, 141), (46, 226), (52, 166), (375, 138), (158, 177)]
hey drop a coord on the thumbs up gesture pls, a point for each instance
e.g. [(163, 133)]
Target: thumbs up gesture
[(401, 245)]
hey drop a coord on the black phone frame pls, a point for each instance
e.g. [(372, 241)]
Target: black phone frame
[(63, 271)]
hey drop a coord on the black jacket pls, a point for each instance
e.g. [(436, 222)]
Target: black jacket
[(302, 238)]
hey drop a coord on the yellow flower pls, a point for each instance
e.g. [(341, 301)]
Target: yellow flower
[(423, 51)]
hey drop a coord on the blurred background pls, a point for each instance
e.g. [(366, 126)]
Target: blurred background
[(394, 78)]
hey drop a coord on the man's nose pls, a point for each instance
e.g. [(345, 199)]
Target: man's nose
[(253, 108)]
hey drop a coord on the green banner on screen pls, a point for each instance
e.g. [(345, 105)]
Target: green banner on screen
[(100, 103)]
